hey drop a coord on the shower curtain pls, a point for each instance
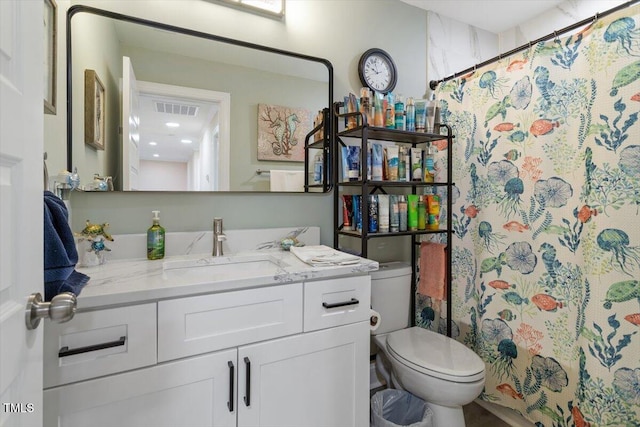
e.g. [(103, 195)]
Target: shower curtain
[(546, 214)]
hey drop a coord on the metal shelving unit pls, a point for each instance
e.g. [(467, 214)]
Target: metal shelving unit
[(323, 144), (365, 133)]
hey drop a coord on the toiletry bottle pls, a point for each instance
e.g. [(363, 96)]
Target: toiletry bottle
[(411, 115), (373, 213), (412, 212), (399, 109), (317, 169), (365, 105), (394, 214), (402, 213), (383, 213), (155, 238), (429, 167), (422, 214), (431, 114), (433, 209), (378, 116), (390, 114), (407, 162), (402, 164)]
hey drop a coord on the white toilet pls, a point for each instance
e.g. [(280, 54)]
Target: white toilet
[(436, 368)]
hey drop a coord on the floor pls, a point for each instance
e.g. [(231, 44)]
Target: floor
[(476, 416)]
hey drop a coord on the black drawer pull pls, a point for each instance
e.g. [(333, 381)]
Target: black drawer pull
[(353, 301), (64, 351), (247, 386), (231, 378)]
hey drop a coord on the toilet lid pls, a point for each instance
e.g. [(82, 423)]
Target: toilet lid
[(435, 354)]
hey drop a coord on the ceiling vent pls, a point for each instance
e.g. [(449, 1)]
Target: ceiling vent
[(174, 108)]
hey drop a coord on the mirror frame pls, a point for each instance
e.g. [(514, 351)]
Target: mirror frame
[(73, 10)]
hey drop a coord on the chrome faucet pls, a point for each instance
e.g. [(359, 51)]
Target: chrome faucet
[(218, 237)]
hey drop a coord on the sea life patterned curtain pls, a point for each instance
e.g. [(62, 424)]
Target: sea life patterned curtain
[(546, 252)]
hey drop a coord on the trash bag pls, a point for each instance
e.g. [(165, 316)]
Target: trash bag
[(394, 408)]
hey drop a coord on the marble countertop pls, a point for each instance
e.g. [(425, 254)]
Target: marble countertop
[(134, 281)]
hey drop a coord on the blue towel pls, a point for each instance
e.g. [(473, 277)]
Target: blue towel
[(60, 253)]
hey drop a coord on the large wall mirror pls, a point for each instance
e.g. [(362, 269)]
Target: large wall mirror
[(163, 108)]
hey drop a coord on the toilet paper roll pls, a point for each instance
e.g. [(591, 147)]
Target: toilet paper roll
[(374, 320)]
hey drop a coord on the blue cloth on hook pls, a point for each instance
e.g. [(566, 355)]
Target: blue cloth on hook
[(60, 253)]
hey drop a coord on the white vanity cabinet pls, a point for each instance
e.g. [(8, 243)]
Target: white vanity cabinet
[(189, 392), (282, 355)]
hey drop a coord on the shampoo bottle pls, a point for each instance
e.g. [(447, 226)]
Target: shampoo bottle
[(410, 118), (399, 113), (429, 165), (155, 238)]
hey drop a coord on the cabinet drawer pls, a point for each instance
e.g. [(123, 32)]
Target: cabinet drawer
[(195, 325), (335, 302), (99, 343)]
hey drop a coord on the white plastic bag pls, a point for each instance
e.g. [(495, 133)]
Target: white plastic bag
[(394, 408)]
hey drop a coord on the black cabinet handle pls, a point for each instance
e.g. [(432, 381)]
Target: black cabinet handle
[(65, 351), (353, 301), (231, 378), (247, 397)]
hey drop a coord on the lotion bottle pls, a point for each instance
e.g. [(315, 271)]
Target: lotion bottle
[(155, 238)]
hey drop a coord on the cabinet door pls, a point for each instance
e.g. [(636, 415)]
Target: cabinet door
[(191, 392), (315, 379)]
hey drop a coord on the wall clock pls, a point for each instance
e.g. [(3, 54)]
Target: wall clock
[(377, 70)]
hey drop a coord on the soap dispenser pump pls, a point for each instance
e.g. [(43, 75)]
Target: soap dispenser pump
[(155, 238)]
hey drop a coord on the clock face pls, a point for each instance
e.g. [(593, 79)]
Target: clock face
[(377, 71)]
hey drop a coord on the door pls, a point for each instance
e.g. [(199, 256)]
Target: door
[(130, 127), (315, 379), (198, 391), (21, 207)]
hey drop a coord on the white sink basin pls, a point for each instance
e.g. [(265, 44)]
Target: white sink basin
[(224, 268)]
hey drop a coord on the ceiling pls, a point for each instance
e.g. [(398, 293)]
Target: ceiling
[(158, 142), (490, 15)]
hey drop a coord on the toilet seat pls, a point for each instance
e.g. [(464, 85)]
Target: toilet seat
[(436, 355)]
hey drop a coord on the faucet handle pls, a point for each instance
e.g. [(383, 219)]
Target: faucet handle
[(221, 237)]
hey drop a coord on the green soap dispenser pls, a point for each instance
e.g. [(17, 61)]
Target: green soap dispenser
[(155, 238)]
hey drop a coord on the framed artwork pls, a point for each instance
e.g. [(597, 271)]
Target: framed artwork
[(281, 132), (94, 110), (50, 37)]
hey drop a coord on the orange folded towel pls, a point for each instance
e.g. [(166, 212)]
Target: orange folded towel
[(433, 270)]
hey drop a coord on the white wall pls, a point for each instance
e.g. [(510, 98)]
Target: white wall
[(454, 46), (159, 176), (565, 14)]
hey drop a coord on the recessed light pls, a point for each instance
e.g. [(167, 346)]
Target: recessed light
[(172, 124), (186, 141), (153, 143), (156, 155)]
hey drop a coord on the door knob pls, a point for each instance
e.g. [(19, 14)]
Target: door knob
[(61, 309)]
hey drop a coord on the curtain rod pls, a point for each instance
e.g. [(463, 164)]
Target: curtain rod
[(434, 83)]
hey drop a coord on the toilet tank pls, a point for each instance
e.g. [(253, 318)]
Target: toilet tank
[(391, 296)]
